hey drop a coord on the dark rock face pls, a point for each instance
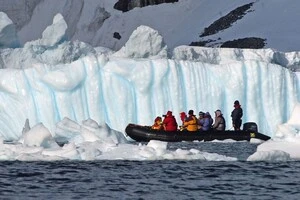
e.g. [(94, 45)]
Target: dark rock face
[(249, 43), (126, 5), (202, 43), (100, 15), (117, 35), (224, 23), (242, 43), (227, 20)]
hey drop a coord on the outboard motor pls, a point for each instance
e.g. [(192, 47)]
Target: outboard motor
[(250, 126)]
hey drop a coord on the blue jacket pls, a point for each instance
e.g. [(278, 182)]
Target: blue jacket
[(205, 124)]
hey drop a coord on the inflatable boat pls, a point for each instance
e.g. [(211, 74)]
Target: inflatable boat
[(145, 133)]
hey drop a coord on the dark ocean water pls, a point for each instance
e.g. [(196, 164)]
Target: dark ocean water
[(163, 179)]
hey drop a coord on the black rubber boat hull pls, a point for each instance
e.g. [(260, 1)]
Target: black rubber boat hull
[(145, 134)]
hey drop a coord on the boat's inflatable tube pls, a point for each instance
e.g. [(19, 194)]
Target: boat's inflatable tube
[(145, 133)]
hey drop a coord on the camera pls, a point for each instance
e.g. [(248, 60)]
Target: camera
[(164, 115)]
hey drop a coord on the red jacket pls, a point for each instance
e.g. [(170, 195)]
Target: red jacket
[(170, 123)]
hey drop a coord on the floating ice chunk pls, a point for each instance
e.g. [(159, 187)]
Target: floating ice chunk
[(68, 151), (286, 145), (158, 145), (256, 141), (217, 157), (104, 132), (88, 135), (90, 123), (38, 136), (274, 155), (90, 131), (26, 127), (67, 128), (91, 150)]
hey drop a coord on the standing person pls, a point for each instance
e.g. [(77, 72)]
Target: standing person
[(236, 116), (220, 123), (169, 122), (191, 122)]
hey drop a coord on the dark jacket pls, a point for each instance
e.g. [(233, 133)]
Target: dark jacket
[(237, 115)]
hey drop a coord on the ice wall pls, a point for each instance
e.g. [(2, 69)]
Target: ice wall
[(123, 91)]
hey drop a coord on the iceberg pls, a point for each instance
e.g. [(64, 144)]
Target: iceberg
[(83, 95)]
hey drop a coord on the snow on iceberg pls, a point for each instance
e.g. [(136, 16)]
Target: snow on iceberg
[(144, 42), (8, 33), (55, 33)]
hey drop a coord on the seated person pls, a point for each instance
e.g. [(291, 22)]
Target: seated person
[(203, 122), (191, 122), (219, 124), (211, 121), (169, 122), (157, 123), (183, 117), (200, 120)]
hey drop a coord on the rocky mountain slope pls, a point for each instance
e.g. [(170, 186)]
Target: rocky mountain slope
[(109, 23)]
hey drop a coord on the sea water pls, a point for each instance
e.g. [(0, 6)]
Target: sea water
[(163, 179)]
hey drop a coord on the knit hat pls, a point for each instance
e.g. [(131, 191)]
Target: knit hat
[(236, 102)]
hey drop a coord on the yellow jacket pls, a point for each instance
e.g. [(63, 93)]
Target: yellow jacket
[(191, 123)]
